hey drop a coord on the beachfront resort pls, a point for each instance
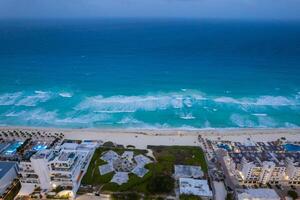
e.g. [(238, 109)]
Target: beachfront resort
[(50, 164)]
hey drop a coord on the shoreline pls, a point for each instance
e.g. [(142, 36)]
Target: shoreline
[(141, 138)]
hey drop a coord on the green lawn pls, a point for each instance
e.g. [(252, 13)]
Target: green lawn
[(166, 157)]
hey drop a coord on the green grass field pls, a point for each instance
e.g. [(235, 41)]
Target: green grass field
[(166, 156)]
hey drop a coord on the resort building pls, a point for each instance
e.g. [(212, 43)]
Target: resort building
[(8, 172), (258, 194), (262, 164), (62, 166), (197, 187), (293, 171)]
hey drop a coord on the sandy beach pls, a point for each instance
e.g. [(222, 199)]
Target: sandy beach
[(140, 138)]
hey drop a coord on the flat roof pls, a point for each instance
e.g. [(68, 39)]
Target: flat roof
[(188, 171), (195, 187), (5, 167), (261, 193)]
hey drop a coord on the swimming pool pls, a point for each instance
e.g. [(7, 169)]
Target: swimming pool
[(39, 147), (11, 149), (224, 146), (292, 147)]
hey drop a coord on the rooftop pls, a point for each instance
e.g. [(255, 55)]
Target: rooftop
[(258, 194), (5, 167), (195, 187), (188, 171)]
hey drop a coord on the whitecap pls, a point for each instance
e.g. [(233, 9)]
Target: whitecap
[(33, 100), (226, 100), (260, 114), (260, 101), (9, 98), (40, 92), (65, 94), (149, 102), (129, 120), (187, 116), (37, 116), (14, 114)]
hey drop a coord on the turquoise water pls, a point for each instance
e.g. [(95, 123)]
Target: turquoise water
[(150, 73), (292, 147), (39, 147), (225, 147), (12, 148)]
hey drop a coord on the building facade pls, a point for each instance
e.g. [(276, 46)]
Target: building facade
[(62, 166)]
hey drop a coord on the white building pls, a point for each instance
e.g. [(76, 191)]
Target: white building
[(197, 187), (258, 194), (293, 171), (187, 171), (8, 172), (63, 166), (254, 171)]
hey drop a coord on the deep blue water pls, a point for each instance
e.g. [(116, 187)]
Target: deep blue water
[(150, 73)]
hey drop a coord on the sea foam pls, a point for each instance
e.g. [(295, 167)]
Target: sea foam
[(33, 100), (134, 103), (9, 98)]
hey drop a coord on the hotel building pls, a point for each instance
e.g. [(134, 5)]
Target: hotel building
[(63, 166), (258, 166)]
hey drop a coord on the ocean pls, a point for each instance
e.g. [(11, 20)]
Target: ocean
[(150, 73)]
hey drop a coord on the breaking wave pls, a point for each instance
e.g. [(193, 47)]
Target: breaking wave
[(260, 101), (65, 94), (185, 108), (9, 98), (34, 99), (134, 103)]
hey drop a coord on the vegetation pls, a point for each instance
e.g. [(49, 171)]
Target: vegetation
[(229, 196), (93, 177), (109, 144), (168, 156), (160, 172), (293, 194), (126, 196), (160, 184), (189, 197)]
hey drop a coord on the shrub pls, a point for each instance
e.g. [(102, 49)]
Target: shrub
[(160, 184), (293, 194), (126, 196), (109, 144), (189, 197)]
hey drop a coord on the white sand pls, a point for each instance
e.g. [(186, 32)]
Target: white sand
[(141, 138)]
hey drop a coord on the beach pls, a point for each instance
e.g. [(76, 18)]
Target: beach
[(141, 138)]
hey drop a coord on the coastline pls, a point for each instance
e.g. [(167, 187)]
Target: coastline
[(141, 138)]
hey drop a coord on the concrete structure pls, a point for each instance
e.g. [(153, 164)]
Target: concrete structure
[(195, 187), (124, 164), (293, 171), (120, 178), (63, 166), (187, 171), (258, 194), (8, 172), (262, 164)]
